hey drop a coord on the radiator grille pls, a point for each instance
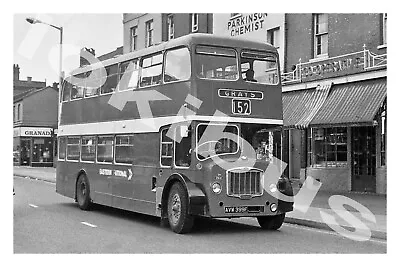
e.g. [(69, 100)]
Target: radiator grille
[(244, 183)]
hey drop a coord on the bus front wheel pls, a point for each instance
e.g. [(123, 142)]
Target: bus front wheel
[(83, 192), (271, 222), (180, 221)]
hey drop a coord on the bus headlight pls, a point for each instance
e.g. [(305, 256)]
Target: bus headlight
[(216, 188), (273, 207)]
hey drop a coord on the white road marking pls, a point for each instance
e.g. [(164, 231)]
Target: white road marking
[(33, 206), (329, 232), (89, 224)]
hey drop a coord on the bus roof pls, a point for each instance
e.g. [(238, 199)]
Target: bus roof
[(194, 38)]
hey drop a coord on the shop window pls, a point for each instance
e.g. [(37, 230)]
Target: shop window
[(73, 150), (88, 148), (320, 35), (128, 75), (151, 70), (62, 147), (124, 149), (111, 81), (149, 33), (328, 147), (177, 65), (166, 152), (105, 149)]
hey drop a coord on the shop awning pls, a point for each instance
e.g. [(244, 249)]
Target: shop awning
[(300, 107), (352, 103)]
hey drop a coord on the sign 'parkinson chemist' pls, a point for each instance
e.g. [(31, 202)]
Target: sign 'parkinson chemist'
[(246, 23)]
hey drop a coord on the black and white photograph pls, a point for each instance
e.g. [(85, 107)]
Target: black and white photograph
[(199, 133)]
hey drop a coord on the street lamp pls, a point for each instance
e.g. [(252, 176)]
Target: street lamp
[(35, 21)]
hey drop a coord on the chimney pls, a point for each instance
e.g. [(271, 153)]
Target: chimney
[(16, 72), (82, 60), (55, 86), (29, 78)]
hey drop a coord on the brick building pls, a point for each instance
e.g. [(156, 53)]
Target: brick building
[(334, 93), (147, 29), (35, 121), (21, 86)]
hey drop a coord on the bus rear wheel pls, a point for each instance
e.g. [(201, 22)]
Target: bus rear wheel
[(180, 221), (83, 193), (271, 222)]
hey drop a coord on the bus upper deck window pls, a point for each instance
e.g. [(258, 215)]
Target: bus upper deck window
[(262, 67), (216, 63), (177, 65)]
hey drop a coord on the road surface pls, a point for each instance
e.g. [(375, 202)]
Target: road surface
[(45, 222)]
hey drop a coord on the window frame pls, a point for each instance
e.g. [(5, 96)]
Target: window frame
[(216, 124), (384, 29), (136, 62), (161, 146), (194, 17), (115, 149), (60, 150), (165, 54), (141, 68), (63, 91), (318, 34), (273, 32), (133, 35), (108, 67), (149, 36), (95, 148), (112, 149), (223, 47), (174, 150), (79, 148), (312, 163), (170, 27), (266, 70)]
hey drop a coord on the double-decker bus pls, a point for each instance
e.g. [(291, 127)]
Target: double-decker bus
[(145, 140)]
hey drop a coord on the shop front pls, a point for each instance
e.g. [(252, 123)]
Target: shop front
[(338, 135), (33, 146)]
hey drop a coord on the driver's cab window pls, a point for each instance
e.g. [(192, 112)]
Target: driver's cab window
[(183, 148)]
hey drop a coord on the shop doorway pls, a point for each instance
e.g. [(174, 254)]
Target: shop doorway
[(363, 159), (25, 152), (42, 152)]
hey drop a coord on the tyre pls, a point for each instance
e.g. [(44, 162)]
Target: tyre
[(271, 222), (180, 221), (83, 193)]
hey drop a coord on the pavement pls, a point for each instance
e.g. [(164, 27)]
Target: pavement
[(311, 217)]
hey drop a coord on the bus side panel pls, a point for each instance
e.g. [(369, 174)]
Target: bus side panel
[(100, 188), (145, 163), (64, 184)]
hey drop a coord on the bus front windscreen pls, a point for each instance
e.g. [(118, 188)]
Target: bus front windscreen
[(216, 63), (211, 140)]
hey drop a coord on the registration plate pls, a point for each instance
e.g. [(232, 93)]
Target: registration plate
[(235, 209), (241, 106)]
